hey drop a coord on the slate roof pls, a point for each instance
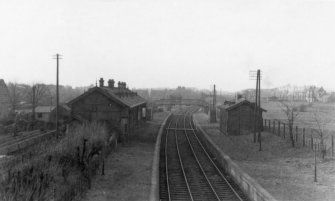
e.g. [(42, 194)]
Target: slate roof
[(123, 96), (47, 109), (44, 109), (241, 102)]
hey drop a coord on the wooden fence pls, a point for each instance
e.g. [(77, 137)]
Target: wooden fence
[(303, 137)]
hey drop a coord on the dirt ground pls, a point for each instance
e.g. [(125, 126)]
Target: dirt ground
[(287, 173), (128, 171), (127, 175)]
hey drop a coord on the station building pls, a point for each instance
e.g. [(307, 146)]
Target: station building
[(118, 106), (238, 118)]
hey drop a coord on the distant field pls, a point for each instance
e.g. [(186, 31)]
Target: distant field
[(325, 111)]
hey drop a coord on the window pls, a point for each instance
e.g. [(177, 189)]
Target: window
[(39, 115)]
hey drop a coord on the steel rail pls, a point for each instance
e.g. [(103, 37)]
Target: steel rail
[(181, 164), (196, 158), (218, 170), (166, 167)]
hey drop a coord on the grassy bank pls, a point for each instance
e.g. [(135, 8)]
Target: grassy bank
[(286, 172), (58, 169)]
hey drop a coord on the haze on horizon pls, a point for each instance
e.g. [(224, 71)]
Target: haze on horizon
[(156, 43)]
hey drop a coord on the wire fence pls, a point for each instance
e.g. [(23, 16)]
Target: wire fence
[(303, 137)]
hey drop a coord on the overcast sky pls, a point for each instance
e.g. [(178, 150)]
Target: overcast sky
[(166, 43)]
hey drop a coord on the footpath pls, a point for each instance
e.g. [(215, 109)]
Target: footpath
[(128, 171), (285, 172)]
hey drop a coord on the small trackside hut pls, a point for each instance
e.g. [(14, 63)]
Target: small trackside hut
[(118, 106), (238, 118)]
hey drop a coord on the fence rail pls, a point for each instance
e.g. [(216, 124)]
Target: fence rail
[(303, 137)]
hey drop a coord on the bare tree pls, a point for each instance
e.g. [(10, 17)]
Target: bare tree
[(291, 113), (15, 95), (35, 95), (320, 130), (37, 92)]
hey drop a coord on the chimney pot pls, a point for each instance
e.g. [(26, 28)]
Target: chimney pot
[(111, 83), (101, 82)]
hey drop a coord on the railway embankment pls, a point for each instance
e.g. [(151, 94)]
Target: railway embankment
[(14, 144), (286, 173)]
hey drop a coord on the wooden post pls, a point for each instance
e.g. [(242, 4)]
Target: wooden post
[(303, 137), (332, 146), (274, 126), (278, 128), (103, 166), (57, 97), (239, 121), (284, 130), (296, 135), (315, 176), (312, 142)]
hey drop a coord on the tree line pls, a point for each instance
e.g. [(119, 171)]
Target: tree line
[(21, 94)]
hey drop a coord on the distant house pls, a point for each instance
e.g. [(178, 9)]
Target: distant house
[(4, 100), (116, 106), (238, 118), (48, 113)]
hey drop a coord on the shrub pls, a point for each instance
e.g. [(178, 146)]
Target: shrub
[(57, 165)]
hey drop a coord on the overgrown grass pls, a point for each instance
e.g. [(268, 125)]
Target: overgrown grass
[(59, 169)]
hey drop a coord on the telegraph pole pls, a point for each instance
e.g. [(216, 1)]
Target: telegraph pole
[(214, 105), (34, 102), (252, 76), (212, 109), (57, 95), (257, 128), (259, 108)]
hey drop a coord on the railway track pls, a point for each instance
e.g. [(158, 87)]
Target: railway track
[(187, 170), (11, 144)]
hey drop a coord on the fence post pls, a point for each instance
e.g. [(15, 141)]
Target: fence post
[(303, 137), (296, 134), (278, 128), (269, 125), (273, 126), (284, 130), (332, 146), (312, 142)]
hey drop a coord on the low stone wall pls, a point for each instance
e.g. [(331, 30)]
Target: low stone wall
[(154, 190), (249, 186)]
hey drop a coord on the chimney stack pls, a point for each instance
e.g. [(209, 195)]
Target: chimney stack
[(101, 82), (111, 83)]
